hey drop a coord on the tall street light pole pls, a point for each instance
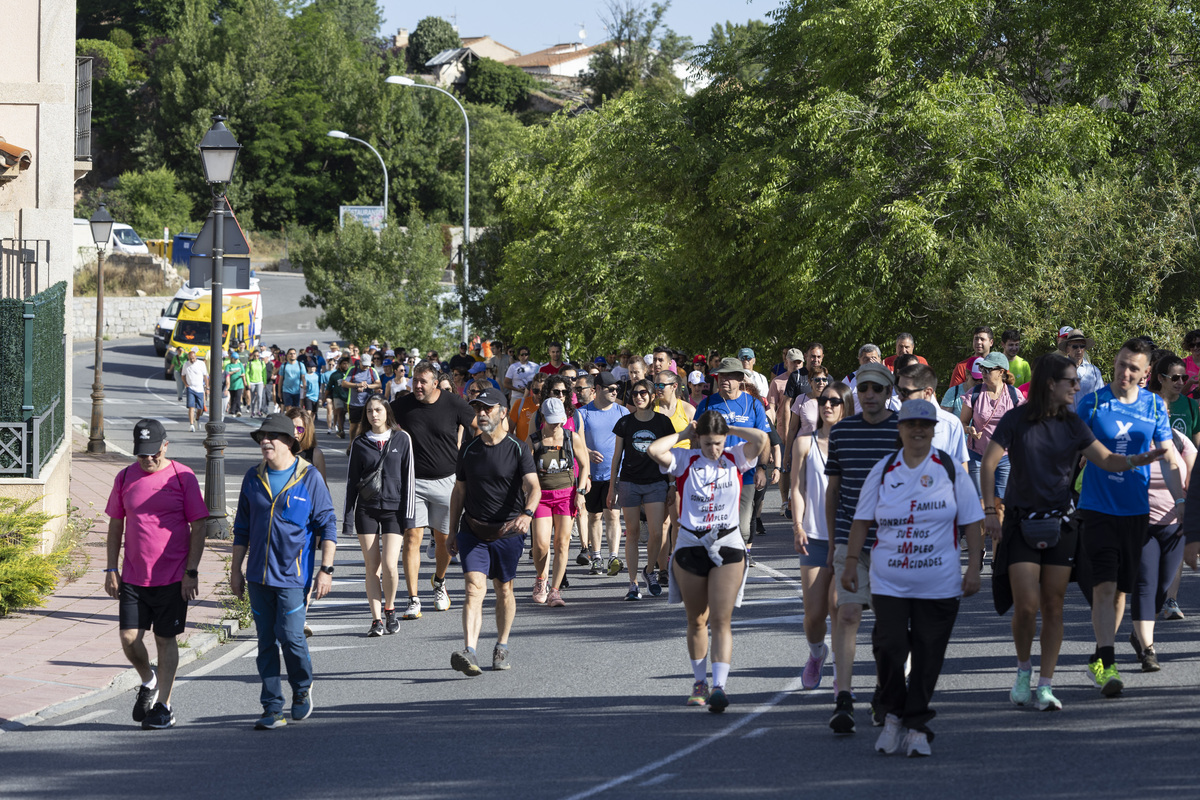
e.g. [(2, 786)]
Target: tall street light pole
[(344, 135), (400, 80), (218, 154), (101, 224)]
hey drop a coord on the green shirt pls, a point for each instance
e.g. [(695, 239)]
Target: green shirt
[(1185, 416), (335, 390), (254, 370), (235, 372), (1021, 371)]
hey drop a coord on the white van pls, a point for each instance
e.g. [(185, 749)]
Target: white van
[(166, 322), (123, 239)]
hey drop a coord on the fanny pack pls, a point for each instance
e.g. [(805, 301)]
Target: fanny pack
[(484, 531), (1041, 533)]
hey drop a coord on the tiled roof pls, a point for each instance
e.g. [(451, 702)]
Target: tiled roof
[(14, 156)]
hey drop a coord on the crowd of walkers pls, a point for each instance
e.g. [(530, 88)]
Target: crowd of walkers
[(894, 493)]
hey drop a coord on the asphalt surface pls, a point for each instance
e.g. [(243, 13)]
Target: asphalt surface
[(594, 704)]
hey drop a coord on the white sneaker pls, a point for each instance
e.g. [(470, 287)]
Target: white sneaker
[(441, 598), (193, 427), (891, 737), (916, 744), (414, 609)]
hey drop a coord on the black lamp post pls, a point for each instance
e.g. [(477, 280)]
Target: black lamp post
[(101, 224), (218, 153)]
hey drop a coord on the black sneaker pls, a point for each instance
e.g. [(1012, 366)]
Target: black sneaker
[(842, 720), (759, 528), (1149, 660), (500, 658), (376, 628), (144, 702), (390, 623), (664, 578), (464, 661), (566, 584), (159, 718)]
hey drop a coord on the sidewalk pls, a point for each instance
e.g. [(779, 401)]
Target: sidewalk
[(58, 655)]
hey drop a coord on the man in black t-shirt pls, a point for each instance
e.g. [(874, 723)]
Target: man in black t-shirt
[(435, 420), (496, 493), (462, 359)]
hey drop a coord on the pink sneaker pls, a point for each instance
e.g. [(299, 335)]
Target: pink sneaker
[(811, 677), (554, 599), (540, 593)]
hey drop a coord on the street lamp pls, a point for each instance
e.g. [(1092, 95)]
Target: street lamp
[(101, 224), (400, 80), (344, 135), (218, 155)]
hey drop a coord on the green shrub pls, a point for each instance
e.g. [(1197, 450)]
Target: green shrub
[(26, 577)]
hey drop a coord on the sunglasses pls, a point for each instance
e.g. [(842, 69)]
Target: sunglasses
[(661, 386), (820, 379), (990, 369), (275, 437), (869, 386), (1078, 346), (610, 389), (1176, 378), (558, 393), (641, 393), (1074, 381), (300, 429), (907, 393), (831, 401)]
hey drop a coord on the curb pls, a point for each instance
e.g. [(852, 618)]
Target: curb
[(197, 646)]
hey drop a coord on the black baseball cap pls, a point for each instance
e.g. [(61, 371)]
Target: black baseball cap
[(490, 397), (606, 378), (148, 436)]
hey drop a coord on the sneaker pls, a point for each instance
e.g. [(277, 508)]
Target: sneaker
[(540, 592), (916, 743), (302, 705), (634, 593), (566, 584), (441, 597), (390, 623), (785, 511), (664, 578), (464, 661), (1110, 682), (597, 566), (270, 720), (1046, 701), (699, 694), (1171, 609), (1149, 660), (555, 600), (145, 701), (159, 718), (192, 428), (1095, 670), (759, 528), (891, 738), (308, 632), (500, 658), (377, 629), (414, 609), (811, 677), (1020, 694), (717, 701), (651, 577), (584, 558), (750, 562), (842, 720), (615, 565), (431, 550)]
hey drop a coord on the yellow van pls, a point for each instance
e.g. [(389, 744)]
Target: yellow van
[(194, 325)]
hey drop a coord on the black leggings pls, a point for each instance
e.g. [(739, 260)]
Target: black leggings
[(903, 627), (1161, 556), (369, 521)]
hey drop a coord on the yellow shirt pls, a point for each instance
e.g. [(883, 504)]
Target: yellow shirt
[(679, 420)]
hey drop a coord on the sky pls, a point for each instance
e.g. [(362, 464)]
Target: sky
[(532, 25)]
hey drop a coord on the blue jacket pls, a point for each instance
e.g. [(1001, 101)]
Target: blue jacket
[(279, 531)]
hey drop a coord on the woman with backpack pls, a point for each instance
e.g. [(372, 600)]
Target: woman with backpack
[(982, 410), (921, 503), (380, 502), (562, 475)]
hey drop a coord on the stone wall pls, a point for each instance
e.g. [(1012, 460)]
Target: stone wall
[(123, 316)]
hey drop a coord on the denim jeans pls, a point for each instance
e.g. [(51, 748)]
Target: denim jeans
[(279, 621), (975, 467)]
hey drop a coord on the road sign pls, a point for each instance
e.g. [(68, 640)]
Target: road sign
[(235, 273), (235, 240), (370, 216)]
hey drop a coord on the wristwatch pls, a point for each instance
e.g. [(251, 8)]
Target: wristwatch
[(191, 573), (327, 570), (527, 512)]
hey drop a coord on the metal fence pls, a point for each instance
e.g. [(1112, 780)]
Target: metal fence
[(83, 108), (24, 267), (33, 359)]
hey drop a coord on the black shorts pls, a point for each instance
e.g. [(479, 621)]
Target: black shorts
[(161, 608), (596, 500), (1113, 545), (1061, 555), (697, 561), (356, 414), (369, 521)]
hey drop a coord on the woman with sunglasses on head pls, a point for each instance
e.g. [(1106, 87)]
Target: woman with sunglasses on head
[(1036, 541), (381, 517), (809, 527), (642, 484), (709, 560), (982, 409)]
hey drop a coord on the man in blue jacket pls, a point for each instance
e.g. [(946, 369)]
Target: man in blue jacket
[(282, 508)]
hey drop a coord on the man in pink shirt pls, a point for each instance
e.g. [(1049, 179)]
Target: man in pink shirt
[(157, 509)]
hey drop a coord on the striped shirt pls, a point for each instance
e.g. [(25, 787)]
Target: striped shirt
[(855, 446)]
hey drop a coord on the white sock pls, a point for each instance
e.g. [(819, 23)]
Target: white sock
[(720, 674), (1043, 682), (153, 682), (816, 650), (700, 669), (1026, 665)]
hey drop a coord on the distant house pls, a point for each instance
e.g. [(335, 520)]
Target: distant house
[(568, 60), (450, 66)]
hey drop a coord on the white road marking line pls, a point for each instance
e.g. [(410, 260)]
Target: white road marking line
[(657, 779), (319, 628), (220, 662), (787, 620), (91, 715), (312, 649), (754, 734)]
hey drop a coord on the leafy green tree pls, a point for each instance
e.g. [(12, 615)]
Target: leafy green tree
[(731, 49), (431, 36), (375, 287), (150, 201), (640, 51), (489, 81)]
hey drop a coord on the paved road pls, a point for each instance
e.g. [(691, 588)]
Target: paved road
[(594, 704)]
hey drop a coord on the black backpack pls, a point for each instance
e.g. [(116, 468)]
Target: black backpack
[(943, 456)]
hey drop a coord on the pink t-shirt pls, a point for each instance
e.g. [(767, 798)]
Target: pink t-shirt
[(806, 408), (158, 508), (986, 413)]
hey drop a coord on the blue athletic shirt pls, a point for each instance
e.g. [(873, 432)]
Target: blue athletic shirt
[(598, 433), (744, 412), (1126, 429)]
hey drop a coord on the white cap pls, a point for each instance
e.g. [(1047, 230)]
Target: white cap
[(696, 377), (553, 411), (649, 359)]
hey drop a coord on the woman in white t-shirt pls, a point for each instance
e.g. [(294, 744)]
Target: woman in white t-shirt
[(809, 484), (709, 562), (920, 501)]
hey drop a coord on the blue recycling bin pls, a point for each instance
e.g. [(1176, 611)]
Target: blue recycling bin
[(181, 249)]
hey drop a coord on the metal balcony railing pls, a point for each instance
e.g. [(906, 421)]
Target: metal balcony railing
[(83, 108)]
